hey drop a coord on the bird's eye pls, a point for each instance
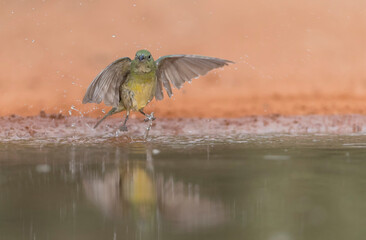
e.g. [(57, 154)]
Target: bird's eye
[(149, 56)]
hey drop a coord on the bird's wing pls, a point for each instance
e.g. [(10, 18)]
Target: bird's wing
[(178, 69), (105, 87)]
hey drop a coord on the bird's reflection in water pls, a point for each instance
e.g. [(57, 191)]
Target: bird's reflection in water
[(183, 206), (139, 195)]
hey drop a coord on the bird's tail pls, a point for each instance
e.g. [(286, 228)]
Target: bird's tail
[(111, 112)]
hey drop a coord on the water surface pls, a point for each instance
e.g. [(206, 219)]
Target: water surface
[(275, 187)]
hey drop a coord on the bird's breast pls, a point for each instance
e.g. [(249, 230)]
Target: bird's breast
[(143, 88)]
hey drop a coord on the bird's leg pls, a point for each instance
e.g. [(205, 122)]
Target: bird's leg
[(111, 112), (149, 117), (124, 127)]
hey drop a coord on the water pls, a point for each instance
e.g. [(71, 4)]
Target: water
[(258, 187)]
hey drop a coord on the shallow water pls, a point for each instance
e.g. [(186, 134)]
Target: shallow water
[(275, 187)]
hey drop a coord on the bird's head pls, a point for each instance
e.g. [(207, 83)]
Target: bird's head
[(143, 62), (143, 56)]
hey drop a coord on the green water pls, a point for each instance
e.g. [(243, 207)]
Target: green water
[(257, 187)]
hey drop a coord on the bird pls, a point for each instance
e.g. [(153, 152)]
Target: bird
[(129, 85)]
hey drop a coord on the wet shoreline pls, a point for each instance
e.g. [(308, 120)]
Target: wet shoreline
[(54, 127)]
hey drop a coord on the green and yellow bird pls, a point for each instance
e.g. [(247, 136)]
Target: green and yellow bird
[(129, 85)]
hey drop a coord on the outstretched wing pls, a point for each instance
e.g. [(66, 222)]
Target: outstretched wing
[(178, 69), (105, 87)]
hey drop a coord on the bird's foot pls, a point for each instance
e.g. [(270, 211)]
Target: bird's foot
[(123, 128), (149, 117)]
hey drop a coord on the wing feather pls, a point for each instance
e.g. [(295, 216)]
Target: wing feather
[(178, 69), (166, 83), (105, 87), (159, 91)]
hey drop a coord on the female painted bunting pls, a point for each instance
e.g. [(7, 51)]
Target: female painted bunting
[(129, 85)]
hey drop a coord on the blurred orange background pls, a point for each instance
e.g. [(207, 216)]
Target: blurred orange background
[(292, 57)]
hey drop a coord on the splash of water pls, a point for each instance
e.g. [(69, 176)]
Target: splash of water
[(75, 109)]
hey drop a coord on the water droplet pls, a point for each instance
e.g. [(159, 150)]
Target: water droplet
[(113, 36), (75, 109), (43, 168), (33, 41), (155, 151)]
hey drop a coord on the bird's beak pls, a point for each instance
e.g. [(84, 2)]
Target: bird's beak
[(141, 57)]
